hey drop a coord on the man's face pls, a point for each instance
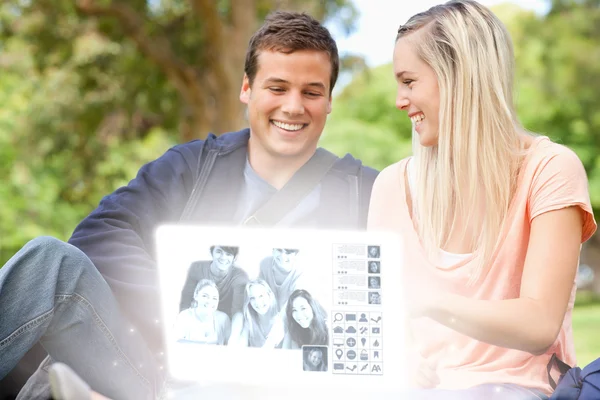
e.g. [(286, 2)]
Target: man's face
[(374, 298), (285, 258), (373, 251), (222, 259), (373, 267), (288, 103)]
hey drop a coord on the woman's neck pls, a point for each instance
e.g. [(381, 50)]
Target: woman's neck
[(203, 317), (265, 320)]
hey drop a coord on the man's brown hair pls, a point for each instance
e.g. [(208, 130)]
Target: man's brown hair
[(287, 32)]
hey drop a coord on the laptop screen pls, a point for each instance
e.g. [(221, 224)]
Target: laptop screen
[(276, 307)]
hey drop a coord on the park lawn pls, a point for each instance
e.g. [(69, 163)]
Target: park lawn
[(586, 331)]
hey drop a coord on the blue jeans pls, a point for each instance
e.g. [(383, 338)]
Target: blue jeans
[(481, 392), (501, 391), (52, 293)]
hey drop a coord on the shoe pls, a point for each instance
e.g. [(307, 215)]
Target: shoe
[(65, 384)]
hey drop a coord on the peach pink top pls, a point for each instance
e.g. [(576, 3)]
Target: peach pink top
[(552, 177)]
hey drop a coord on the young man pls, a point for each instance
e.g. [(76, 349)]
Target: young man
[(230, 280), (281, 274), (291, 68)]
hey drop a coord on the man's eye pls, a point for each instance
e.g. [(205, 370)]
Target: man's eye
[(276, 89)]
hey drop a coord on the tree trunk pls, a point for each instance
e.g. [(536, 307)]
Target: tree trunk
[(210, 95)]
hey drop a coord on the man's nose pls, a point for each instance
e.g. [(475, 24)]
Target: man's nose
[(293, 104)]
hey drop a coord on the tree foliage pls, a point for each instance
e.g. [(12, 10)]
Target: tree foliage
[(557, 85), (92, 89), (85, 103), (142, 63)]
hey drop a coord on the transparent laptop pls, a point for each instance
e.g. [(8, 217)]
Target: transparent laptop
[(283, 310)]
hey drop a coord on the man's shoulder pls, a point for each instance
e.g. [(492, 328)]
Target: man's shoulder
[(239, 273), (223, 144), (200, 267), (265, 264)]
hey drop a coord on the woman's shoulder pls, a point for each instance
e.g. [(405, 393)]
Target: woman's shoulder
[(220, 316), (544, 150), (185, 314), (392, 173)]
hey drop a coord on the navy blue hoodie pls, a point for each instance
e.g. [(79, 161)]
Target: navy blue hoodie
[(196, 182)]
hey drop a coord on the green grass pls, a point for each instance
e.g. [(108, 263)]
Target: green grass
[(586, 328)]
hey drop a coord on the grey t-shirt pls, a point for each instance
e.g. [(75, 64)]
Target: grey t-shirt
[(257, 191)]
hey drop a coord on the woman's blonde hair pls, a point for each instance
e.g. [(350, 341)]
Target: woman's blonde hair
[(476, 160)]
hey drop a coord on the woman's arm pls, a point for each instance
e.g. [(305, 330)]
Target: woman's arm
[(276, 334), (239, 335), (181, 327), (223, 327), (531, 322)]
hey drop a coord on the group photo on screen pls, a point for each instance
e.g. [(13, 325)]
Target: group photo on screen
[(247, 297)]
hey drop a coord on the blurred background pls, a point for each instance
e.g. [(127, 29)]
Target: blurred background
[(92, 89)]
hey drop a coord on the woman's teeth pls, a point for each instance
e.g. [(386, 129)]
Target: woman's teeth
[(416, 119)]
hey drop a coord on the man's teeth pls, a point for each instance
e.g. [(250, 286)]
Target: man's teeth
[(417, 118), (288, 127)]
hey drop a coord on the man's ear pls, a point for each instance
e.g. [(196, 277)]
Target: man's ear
[(329, 104), (246, 91)]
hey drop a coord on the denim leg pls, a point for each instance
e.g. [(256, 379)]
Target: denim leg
[(38, 385), (481, 392), (51, 292)]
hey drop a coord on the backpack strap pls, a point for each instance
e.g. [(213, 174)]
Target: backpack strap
[(562, 368), (299, 186)]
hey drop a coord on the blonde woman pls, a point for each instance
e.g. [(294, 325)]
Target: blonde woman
[(202, 322), (262, 324), (492, 216)]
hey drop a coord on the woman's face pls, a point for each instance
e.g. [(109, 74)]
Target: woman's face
[(418, 91), (302, 312), (260, 299), (315, 357), (207, 299), (222, 259), (374, 282)]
